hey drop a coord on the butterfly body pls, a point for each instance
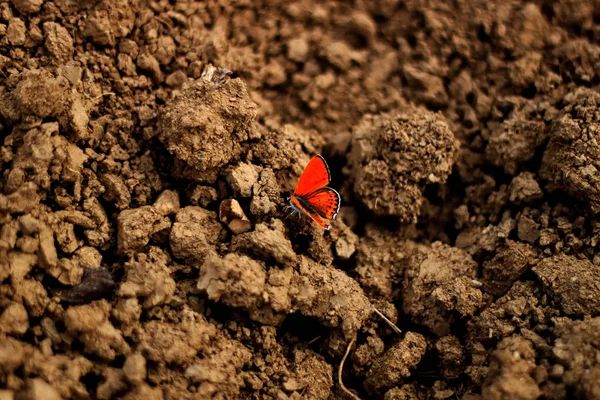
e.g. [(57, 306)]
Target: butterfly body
[(313, 197)]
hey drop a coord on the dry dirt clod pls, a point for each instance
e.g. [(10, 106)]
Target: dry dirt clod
[(396, 363), (515, 142), (47, 251), (202, 195), (21, 201), (16, 32), (267, 241), (59, 42), (116, 191), (134, 368), (345, 243), (21, 264), (148, 276), (41, 94), (27, 6), (331, 296), (524, 189), (195, 233), (509, 263), (395, 155), (167, 203), (575, 350), (91, 325), (438, 283), (237, 281), (452, 356), (242, 178), (429, 88), (14, 320), (571, 161), (38, 389), (28, 224), (379, 261), (136, 226), (511, 371), (574, 283), (205, 126)]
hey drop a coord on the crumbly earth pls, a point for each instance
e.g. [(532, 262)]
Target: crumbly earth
[(147, 150)]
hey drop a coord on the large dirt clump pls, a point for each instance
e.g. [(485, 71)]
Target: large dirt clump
[(395, 155)]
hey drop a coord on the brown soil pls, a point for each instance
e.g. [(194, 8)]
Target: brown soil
[(147, 150)]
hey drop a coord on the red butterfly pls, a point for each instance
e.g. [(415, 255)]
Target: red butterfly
[(312, 196)]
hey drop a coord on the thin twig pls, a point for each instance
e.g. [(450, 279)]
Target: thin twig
[(314, 340), (103, 95), (349, 393), (390, 323)]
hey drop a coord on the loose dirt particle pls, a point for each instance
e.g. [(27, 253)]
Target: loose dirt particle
[(524, 188), (232, 214)]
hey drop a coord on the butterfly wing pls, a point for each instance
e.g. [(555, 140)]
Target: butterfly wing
[(317, 218), (299, 202), (325, 202), (315, 176)]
